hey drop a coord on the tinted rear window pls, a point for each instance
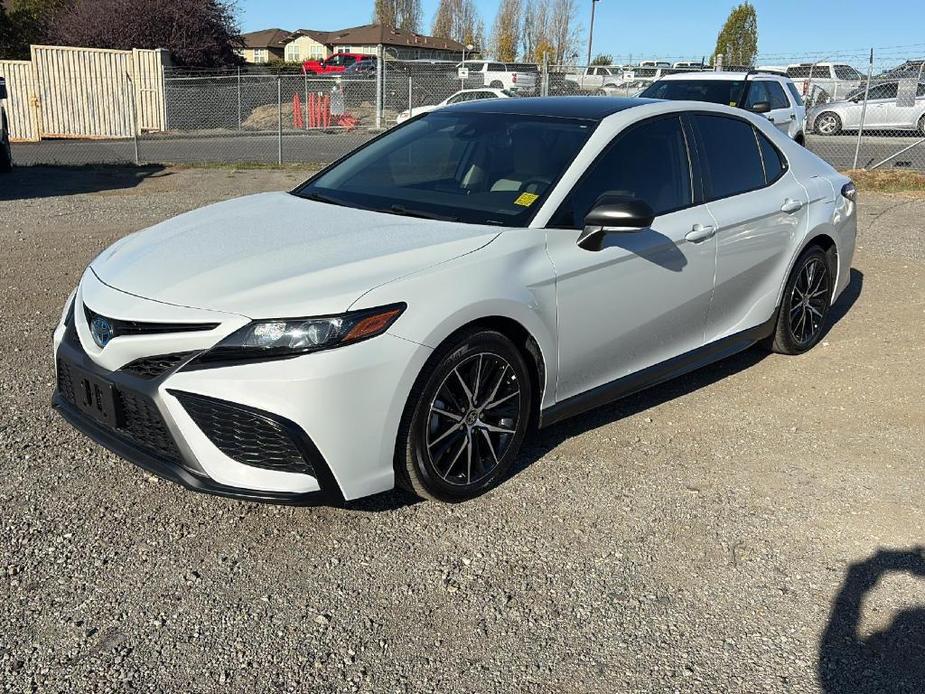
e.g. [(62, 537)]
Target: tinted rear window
[(732, 161), (714, 91)]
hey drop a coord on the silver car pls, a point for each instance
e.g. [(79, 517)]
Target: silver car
[(894, 105)]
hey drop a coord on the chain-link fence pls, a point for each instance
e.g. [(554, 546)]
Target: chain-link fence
[(859, 113)]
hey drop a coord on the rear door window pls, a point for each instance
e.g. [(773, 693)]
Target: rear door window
[(795, 93), (731, 160), (757, 93), (884, 91), (776, 93)]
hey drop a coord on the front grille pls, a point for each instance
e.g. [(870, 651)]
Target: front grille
[(152, 367), (131, 327), (140, 419), (246, 435)]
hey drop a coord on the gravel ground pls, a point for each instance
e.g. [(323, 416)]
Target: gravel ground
[(749, 528)]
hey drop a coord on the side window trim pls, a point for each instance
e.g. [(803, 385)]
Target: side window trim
[(555, 217), (782, 160)]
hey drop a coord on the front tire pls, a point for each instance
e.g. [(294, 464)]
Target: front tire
[(466, 418), (922, 126), (805, 304), (828, 123)]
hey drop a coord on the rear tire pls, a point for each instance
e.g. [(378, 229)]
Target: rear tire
[(805, 303), (465, 419), (828, 123), (6, 156), (922, 126)]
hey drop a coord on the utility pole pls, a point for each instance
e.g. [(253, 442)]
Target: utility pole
[(591, 31)]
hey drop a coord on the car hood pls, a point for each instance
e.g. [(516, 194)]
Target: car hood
[(277, 255)]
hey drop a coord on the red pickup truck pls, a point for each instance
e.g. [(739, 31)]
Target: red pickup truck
[(336, 63)]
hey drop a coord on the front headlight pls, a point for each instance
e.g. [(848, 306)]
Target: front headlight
[(274, 339)]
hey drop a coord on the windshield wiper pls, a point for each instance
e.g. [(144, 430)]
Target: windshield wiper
[(403, 211), (318, 197)]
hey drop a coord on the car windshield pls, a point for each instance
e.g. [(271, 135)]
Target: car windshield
[(479, 168), (715, 91)]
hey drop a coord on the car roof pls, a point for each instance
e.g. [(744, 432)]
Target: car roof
[(721, 75), (584, 107)]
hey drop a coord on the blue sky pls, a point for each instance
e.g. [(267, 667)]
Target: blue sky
[(675, 28)]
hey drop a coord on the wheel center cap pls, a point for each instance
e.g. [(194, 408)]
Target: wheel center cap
[(472, 418)]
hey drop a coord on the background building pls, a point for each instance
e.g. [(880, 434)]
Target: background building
[(310, 44), (264, 46)]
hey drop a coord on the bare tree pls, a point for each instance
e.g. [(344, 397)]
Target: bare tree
[(402, 14), (459, 20), (506, 32), (564, 29)]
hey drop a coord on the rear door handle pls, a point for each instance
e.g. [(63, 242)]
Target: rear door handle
[(700, 232), (790, 206)]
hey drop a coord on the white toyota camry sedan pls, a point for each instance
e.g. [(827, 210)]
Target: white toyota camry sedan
[(407, 315)]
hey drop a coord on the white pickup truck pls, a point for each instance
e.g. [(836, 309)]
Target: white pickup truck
[(597, 78), (501, 76)]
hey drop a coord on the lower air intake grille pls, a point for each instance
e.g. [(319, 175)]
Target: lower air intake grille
[(152, 367), (142, 421), (244, 434), (65, 382)]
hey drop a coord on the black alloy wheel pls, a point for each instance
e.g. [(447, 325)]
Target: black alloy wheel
[(806, 303), (466, 419)]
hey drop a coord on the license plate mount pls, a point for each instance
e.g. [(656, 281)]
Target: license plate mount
[(96, 398)]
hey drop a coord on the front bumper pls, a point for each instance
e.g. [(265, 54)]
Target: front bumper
[(340, 408), (168, 469)]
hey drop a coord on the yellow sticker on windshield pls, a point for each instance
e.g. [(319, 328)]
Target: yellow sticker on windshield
[(526, 199)]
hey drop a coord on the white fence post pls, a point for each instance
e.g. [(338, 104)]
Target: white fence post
[(279, 120)]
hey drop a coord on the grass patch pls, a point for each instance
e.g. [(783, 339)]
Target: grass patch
[(888, 181)]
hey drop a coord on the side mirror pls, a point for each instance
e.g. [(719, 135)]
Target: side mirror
[(614, 214), (761, 107), (2, 89)]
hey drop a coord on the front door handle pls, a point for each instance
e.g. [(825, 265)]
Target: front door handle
[(790, 206), (700, 232)]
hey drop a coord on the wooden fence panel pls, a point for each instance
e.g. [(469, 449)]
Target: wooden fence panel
[(21, 106), (149, 88), (84, 92)]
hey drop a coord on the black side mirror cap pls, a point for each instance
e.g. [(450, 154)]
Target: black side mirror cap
[(614, 214), (761, 107)]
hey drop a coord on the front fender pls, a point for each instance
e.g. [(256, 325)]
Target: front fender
[(511, 278)]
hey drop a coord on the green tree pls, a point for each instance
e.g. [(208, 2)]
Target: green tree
[(602, 59), (738, 39), (24, 22)]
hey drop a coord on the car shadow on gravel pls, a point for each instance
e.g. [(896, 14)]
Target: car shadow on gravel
[(30, 182), (886, 661)]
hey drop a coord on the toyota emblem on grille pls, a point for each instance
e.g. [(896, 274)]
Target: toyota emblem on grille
[(101, 329)]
